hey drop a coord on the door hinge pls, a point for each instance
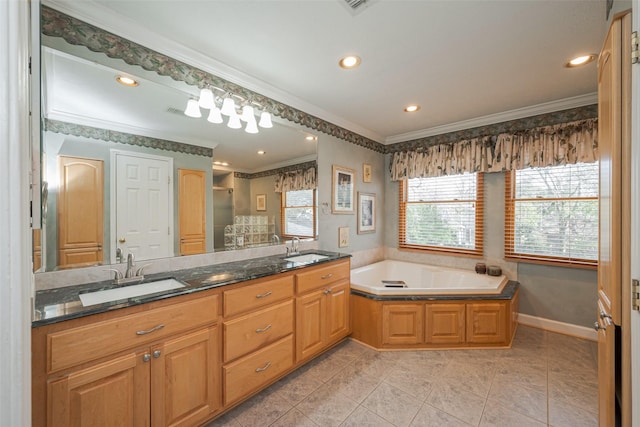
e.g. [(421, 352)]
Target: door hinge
[(635, 294), (635, 58)]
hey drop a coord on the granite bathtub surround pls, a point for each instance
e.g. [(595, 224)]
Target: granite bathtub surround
[(64, 278), (60, 304)]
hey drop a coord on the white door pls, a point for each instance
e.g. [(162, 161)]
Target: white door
[(143, 204)]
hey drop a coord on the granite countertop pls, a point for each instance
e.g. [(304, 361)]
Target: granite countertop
[(57, 305)]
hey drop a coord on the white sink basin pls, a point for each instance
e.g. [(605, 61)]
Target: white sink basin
[(131, 291), (306, 258)]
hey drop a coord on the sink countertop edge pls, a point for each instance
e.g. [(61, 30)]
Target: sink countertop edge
[(60, 304)]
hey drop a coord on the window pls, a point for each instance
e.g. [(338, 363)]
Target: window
[(443, 214), (298, 213), (552, 214)]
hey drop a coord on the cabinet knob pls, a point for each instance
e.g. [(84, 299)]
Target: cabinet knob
[(122, 240), (604, 315), (597, 326), (156, 354), (327, 291), (146, 357)]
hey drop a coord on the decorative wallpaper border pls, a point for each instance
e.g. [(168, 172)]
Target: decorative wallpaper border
[(277, 171), (124, 138), (512, 126), (76, 32)]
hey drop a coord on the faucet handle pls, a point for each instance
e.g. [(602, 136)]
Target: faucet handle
[(117, 274), (140, 271)]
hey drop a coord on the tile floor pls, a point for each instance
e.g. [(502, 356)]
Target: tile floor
[(545, 379)]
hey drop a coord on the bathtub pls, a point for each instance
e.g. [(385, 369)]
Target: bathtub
[(392, 277)]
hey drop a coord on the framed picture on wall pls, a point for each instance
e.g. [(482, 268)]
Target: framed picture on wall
[(366, 172), (261, 202), (366, 213), (343, 190)]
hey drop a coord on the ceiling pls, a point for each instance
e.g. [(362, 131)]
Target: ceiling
[(463, 62)]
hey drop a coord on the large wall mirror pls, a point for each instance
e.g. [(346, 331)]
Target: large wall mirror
[(125, 170)]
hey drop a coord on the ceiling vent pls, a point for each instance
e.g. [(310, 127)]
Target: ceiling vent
[(356, 6), (175, 111)]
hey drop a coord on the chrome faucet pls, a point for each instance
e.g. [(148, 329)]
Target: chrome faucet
[(295, 241), (275, 240), (130, 266)]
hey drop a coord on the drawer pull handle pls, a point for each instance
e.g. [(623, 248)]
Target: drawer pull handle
[(327, 276), (155, 328), (264, 368), (265, 329), (266, 294)]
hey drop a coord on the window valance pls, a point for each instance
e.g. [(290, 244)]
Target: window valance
[(301, 179), (566, 143)]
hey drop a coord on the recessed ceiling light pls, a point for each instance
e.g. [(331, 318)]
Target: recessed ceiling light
[(411, 108), (350, 61), (261, 152), (310, 138), (126, 81), (221, 163), (580, 60)]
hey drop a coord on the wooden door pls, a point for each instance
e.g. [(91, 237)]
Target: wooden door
[(192, 211), (402, 324), (609, 147), (338, 311), (486, 322), (37, 248), (310, 324), (80, 212), (185, 380), (606, 370), (143, 205), (445, 323), (113, 393)]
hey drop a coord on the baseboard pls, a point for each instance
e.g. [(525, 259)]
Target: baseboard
[(559, 327)]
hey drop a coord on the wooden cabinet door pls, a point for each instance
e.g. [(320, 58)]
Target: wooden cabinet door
[(192, 211), (80, 211), (486, 322), (185, 382), (338, 311), (402, 324), (310, 324), (113, 393), (445, 323), (606, 370)]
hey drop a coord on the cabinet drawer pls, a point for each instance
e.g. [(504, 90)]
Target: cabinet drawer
[(85, 343), (258, 295), (321, 276), (251, 372), (248, 333)]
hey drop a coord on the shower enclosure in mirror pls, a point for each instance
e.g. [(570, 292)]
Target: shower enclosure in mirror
[(127, 171)]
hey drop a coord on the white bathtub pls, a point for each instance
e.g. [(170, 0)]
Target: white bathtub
[(392, 277)]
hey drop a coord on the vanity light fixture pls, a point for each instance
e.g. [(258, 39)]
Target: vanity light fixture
[(349, 62), (206, 99), (127, 81), (252, 126), (193, 109), (234, 121), (228, 107), (214, 116), (247, 114), (265, 120), (580, 60), (411, 108)]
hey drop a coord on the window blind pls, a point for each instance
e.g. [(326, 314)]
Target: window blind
[(552, 214), (443, 214)]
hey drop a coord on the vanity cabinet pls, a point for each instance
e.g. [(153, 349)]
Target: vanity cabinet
[(402, 324), (322, 308), (258, 335), (155, 364)]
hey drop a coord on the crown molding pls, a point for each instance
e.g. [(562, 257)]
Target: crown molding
[(519, 113)]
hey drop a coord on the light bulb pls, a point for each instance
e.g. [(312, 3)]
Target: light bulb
[(252, 127), (192, 110), (247, 114), (206, 99), (214, 115), (228, 107), (234, 121), (265, 120)]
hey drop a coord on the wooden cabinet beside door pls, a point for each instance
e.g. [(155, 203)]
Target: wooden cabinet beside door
[(192, 209)]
